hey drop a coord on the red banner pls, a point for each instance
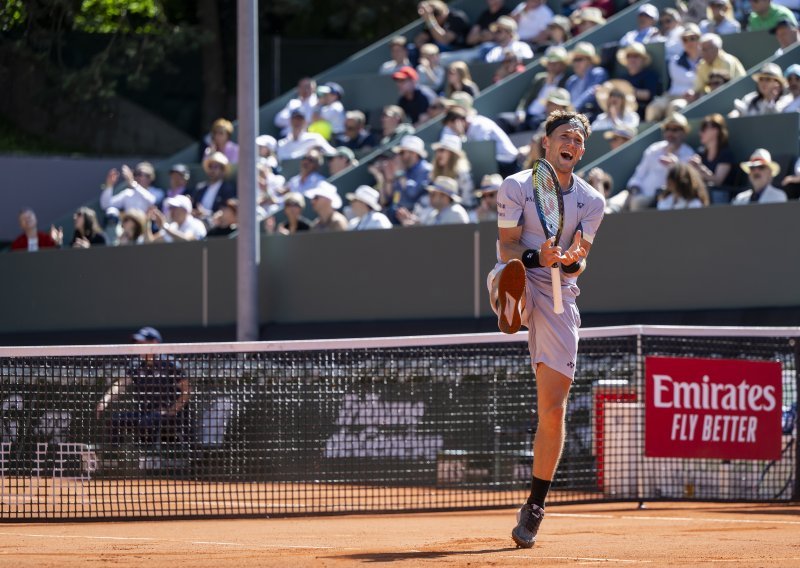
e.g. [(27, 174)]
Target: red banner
[(713, 408)]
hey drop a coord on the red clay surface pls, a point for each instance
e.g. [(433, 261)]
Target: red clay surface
[(684, 534)]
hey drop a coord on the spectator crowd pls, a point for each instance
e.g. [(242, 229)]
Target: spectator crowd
[(618, 86)]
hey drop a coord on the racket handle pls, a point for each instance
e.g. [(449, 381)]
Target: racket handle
[(555, 277)]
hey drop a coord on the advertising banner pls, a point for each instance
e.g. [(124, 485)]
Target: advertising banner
[(712, 408)]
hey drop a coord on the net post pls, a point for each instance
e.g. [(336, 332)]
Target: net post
[(796, 489), (639, 417)]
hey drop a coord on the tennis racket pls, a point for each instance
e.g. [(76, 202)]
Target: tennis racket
[(549, 203)]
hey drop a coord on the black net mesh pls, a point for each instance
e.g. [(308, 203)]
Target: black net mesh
[(347, 430)]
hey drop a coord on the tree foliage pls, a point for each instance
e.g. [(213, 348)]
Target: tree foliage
[(86, 48)]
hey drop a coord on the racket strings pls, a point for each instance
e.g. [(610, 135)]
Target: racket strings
[(547, 192)]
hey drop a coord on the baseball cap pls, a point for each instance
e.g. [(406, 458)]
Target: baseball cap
[(180, 169), (179, 202), (648, 10), (147, 334), (405, 72), (335, 88)]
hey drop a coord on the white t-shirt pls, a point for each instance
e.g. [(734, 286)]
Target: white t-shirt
[(290, 148), (651, 173), (604, 121), (33, 243), (136, 197), (672, 202), (454, 214), (372, 220), (519, 48), (334, 113), (531, 23), (481, 128), (284, 116), (191, 226)]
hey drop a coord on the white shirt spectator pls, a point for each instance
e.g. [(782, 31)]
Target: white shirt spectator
[(391, 66), (136, 197), (630, 119), (651, 173), (192, 226), (283, 116), (769, 194), (334, 114), (531, 23), (455, 214), (681, 78), (672, 202), (647, 35), (519, 48), (372, 220), (538, 105), (292, 148), (483, 128), (727, 26), (673, 43)]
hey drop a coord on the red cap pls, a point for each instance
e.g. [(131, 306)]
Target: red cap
[(406, 73)]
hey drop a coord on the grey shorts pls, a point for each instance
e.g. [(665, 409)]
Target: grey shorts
[(552, 338)]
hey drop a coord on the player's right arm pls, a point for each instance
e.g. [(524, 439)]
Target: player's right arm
[(510, 223)]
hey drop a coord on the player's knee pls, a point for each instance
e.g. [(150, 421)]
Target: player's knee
[(552, 416)]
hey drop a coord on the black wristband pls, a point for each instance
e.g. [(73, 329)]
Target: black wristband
[(530, 258), (572, 268)]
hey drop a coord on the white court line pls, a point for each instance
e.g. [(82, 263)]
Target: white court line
[(154, 539), (582, 515), (683, 519), (712, 520), (578, 559)]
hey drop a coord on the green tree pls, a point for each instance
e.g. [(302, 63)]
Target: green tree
[(85, 48)]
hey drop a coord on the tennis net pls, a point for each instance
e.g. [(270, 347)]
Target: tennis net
[(391, 424)]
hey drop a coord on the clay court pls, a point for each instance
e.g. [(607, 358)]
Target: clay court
[(688, 534)]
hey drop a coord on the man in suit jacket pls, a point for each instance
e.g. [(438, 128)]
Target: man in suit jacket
[(210, 196)]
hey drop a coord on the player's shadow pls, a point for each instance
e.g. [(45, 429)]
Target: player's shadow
[(419, 554)]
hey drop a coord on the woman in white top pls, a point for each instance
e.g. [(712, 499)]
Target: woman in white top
[(685, 189), (616, 99)]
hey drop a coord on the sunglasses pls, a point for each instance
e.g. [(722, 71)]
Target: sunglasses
[(707, 125), (673, 129)]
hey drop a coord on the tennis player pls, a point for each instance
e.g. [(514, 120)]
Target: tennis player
[(520, 289)]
